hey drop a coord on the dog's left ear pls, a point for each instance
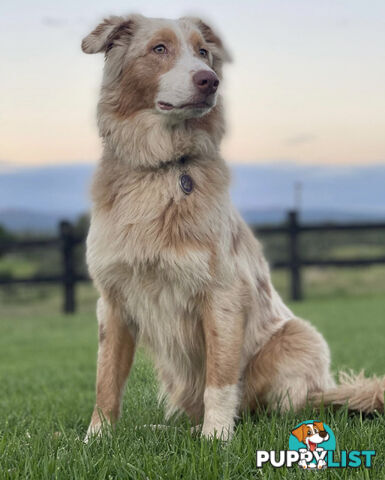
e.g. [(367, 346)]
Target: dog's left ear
[(106, 33), (320, 426), (212, 38)]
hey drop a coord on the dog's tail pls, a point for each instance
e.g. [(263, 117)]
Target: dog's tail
[(358, 392)]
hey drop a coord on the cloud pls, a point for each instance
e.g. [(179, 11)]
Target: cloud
[(300, 139)]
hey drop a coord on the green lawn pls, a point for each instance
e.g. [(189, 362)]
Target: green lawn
[(47, 372)]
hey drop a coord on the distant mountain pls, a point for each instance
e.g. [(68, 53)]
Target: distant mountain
[(37, 198), (348, 189), (19, 220), (62, 188)]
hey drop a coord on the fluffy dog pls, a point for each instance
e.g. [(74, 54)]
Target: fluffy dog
[(176, 266)]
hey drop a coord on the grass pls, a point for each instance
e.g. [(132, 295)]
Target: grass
[(47, 374), (333, 283)]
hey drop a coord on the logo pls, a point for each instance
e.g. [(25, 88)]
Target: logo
[(312, 439), (312, 446)]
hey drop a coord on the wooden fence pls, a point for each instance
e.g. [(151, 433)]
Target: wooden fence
[(67, 241), (293, 229)]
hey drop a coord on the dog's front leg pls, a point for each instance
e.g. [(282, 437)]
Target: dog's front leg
[(115, 356), (223, 331)]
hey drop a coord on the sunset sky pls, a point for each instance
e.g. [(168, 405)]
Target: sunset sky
[(307, 83)]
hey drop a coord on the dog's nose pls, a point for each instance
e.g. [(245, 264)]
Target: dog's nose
[(323, 434), (206, 81)]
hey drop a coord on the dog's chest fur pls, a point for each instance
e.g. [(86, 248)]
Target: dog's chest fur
[(150, 245)]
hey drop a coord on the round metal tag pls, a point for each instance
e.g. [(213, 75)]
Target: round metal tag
[(186, 183)]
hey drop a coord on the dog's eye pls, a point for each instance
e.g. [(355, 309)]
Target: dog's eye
[(315, 430), (309, 432), (160, 49), (203, 52)]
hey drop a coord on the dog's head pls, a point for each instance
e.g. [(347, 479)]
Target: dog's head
[(311, 434), (172, 67)]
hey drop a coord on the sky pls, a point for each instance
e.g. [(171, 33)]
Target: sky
[(307, 83)]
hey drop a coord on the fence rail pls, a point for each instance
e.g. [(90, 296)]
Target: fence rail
[(67, 241)]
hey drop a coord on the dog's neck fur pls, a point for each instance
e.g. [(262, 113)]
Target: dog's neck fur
[(149, 140)]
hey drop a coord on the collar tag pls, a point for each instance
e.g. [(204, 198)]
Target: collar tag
[(186, 183)]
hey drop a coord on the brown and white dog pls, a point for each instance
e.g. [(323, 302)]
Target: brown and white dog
[(176, 266), (311, 434)]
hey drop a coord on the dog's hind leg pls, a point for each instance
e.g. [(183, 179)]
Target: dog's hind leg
[(115, 356), (292, 365)]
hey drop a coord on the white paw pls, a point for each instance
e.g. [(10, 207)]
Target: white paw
[(221, 405), (95, 430), (321, 464), (223, 432), (302, 463)]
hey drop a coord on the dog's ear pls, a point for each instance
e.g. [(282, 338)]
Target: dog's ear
[(320, 426), (106, 33), (212, 38), (300, 432)]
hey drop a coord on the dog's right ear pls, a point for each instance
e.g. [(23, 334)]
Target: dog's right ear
[(106, 33), (300, 432)]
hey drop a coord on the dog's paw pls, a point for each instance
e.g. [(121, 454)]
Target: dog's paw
[(96, 430), (302, 463), (321, 464), (222, 432)]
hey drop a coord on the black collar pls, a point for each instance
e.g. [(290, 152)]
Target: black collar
[(182, 161)]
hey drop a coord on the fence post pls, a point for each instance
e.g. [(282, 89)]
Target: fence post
[(67, 249), (295, 260)]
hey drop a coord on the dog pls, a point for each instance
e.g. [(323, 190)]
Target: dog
[(176, 266), (311, 434)]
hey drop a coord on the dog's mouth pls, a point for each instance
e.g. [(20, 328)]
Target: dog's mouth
[(193, 105), (312, 446)]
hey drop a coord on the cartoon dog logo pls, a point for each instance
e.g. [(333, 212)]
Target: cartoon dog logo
[(312, 435)]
